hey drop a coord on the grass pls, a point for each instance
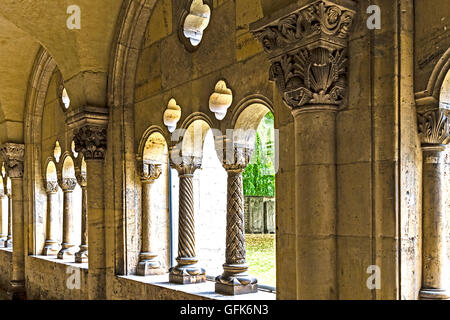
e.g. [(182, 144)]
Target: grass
[(261, 257)]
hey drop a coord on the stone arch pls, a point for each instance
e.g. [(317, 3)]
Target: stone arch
[(39, 82), (67, 169), (130, 33), (50, 170), (247, 117), (432, 93), (152, 130)]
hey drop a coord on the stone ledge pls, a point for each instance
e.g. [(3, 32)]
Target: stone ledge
[(203, 290), (68, 262)]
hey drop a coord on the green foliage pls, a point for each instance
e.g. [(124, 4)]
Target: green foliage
[(259, 176)]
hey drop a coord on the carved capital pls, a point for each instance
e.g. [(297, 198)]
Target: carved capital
[(91, 141), (433, 124), (184, 164), (68, 184), (149, 172), (307, 49), (13, 157), (51, 186), (81, 178), (234, 156)]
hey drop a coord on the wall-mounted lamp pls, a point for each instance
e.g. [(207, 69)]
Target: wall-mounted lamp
[(172, 115), (220, 100)]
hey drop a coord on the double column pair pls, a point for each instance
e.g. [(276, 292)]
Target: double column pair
[(234, 279), (52, 246)]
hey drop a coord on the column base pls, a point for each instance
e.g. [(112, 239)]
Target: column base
[(149, 264), (434, 294), (235, 280), (51, 248), (234, 290), (66, 252), (187, 273), (8, 243), (17, 290), (82, 255), (2, 241)]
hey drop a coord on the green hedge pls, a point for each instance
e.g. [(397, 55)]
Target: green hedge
[(259, 176)]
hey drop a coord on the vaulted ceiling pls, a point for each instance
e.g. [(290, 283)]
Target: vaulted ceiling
[(82, 56)]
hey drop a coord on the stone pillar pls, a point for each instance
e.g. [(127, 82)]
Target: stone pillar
[(67, 247), (235, 279), (307, 49), (187, 270), (434, 133), (51, 246), (82, 255), (3, 235), (149, 263), (91, 141), (13, 157)]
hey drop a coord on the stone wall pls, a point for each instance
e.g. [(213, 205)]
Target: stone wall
[(259, 215), (50, 279), (5, 269)]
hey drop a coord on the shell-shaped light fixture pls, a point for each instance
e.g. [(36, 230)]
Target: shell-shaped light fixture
[(172, 115), (220, 100), (57, 151), (197, 21), (65, 98)]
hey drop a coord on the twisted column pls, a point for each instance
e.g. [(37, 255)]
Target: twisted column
[(51, 246), (434, 133), (235, 279), (3, 236), (67, 185), (82, 255), (187, 270), (149, 263)]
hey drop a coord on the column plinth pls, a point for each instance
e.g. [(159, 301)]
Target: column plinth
[(149, 262), (51, 246), (187, 270), (235, 279), (67, 247)]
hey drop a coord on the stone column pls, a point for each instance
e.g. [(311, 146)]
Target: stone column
[(91, 141), (13, 157), (235, 279), (307, 49), (186, 271), (434, 132), (82, 255), (51, 246), (67, 247), (3, 236), (149, 263), (9, 239)]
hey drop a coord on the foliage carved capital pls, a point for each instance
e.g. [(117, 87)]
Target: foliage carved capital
[(91, 141), (434, 127), (51, 186), (307, 49), (149, 172), (13, 156), (68, 184)]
